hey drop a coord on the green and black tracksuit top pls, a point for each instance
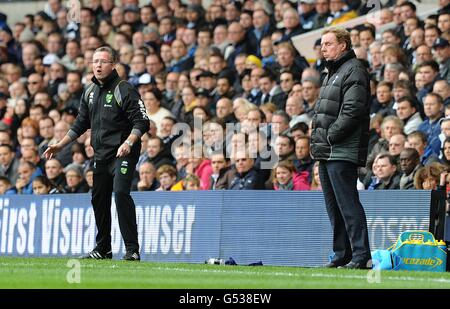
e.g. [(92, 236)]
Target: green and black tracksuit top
[(112, 111)]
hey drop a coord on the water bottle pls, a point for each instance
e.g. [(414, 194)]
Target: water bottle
[(214, 261)]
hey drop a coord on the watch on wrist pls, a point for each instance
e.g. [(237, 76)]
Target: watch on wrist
[(128, 143)]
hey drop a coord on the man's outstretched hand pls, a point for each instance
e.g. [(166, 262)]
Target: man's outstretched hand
[(51, 151)]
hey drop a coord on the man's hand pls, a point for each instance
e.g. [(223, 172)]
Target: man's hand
[(51, 151), (142, 185), (123, 150)]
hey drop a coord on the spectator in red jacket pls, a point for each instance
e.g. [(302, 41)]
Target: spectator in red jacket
[(286, 177)]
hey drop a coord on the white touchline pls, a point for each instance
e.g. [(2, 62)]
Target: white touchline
[(290, 274)]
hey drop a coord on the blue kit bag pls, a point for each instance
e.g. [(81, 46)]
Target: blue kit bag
[(385, 260), (419, 251)]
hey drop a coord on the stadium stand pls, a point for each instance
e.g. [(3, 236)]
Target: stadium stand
[(219, 70)]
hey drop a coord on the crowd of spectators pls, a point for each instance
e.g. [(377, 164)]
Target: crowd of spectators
[(229, 65)]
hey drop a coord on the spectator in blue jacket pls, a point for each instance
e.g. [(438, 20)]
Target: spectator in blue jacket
[(27, 173), (246, 177), (431, 125), (6, 187)]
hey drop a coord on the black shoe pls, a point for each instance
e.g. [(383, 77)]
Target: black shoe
[(357, 265), (334, 264), (132, 256), (96, 255)]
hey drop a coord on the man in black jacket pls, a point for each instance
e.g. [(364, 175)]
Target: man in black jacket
[(116, 115), (339, 141)]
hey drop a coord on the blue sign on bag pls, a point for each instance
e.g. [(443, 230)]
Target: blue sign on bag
[(419, 251)]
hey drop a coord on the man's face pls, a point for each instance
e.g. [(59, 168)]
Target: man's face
[(282, 146), (223, 108), (423, 54), (223, 86), (427, 74), (255, 76), (442, 88), (444, 22), (239, 64), (375, 54), (102, 65), (336, 5), (431, 107), (34, 83), (396, 144), (442, 53), (293, 107), (384, 94), (331, 49), (138, 64), (204, 39), (297, 91), (3, 187), (147, 173), (417, 38), (52, 169), (153, 148), (254, 118), (265, 84), (153, 65), (72, 178), (290, 20), (385, 169), (278, 124), (416, 143), (6, 156), (445, 128), (27, 143), (407, 164), (404, 110), (73, 83), (409, 26), (302, 148), (309, 91), (430, 37), (25, 172), (286, 82), (406, 12), (220, 34), (243, 164), (390, 128), (172, 81), (166, 128), (259, 19), (365, 39), (285, 57), (297, 134), (217, 163), (216, 65), (235, 33)]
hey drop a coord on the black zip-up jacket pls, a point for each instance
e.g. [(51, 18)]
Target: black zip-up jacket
[(111, 123), (341, 115)]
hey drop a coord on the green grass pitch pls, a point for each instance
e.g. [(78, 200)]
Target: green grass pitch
[(58, 273)]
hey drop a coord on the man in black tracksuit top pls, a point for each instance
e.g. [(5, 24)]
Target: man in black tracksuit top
[(116, 115), (339, 139)]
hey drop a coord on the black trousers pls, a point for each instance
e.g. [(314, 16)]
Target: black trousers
[(347, 216), (115, 176)]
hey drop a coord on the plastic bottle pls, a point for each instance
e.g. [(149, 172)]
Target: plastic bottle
[(214, 261)]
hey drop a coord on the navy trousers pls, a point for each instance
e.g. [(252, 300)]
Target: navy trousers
[(347, 216)]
